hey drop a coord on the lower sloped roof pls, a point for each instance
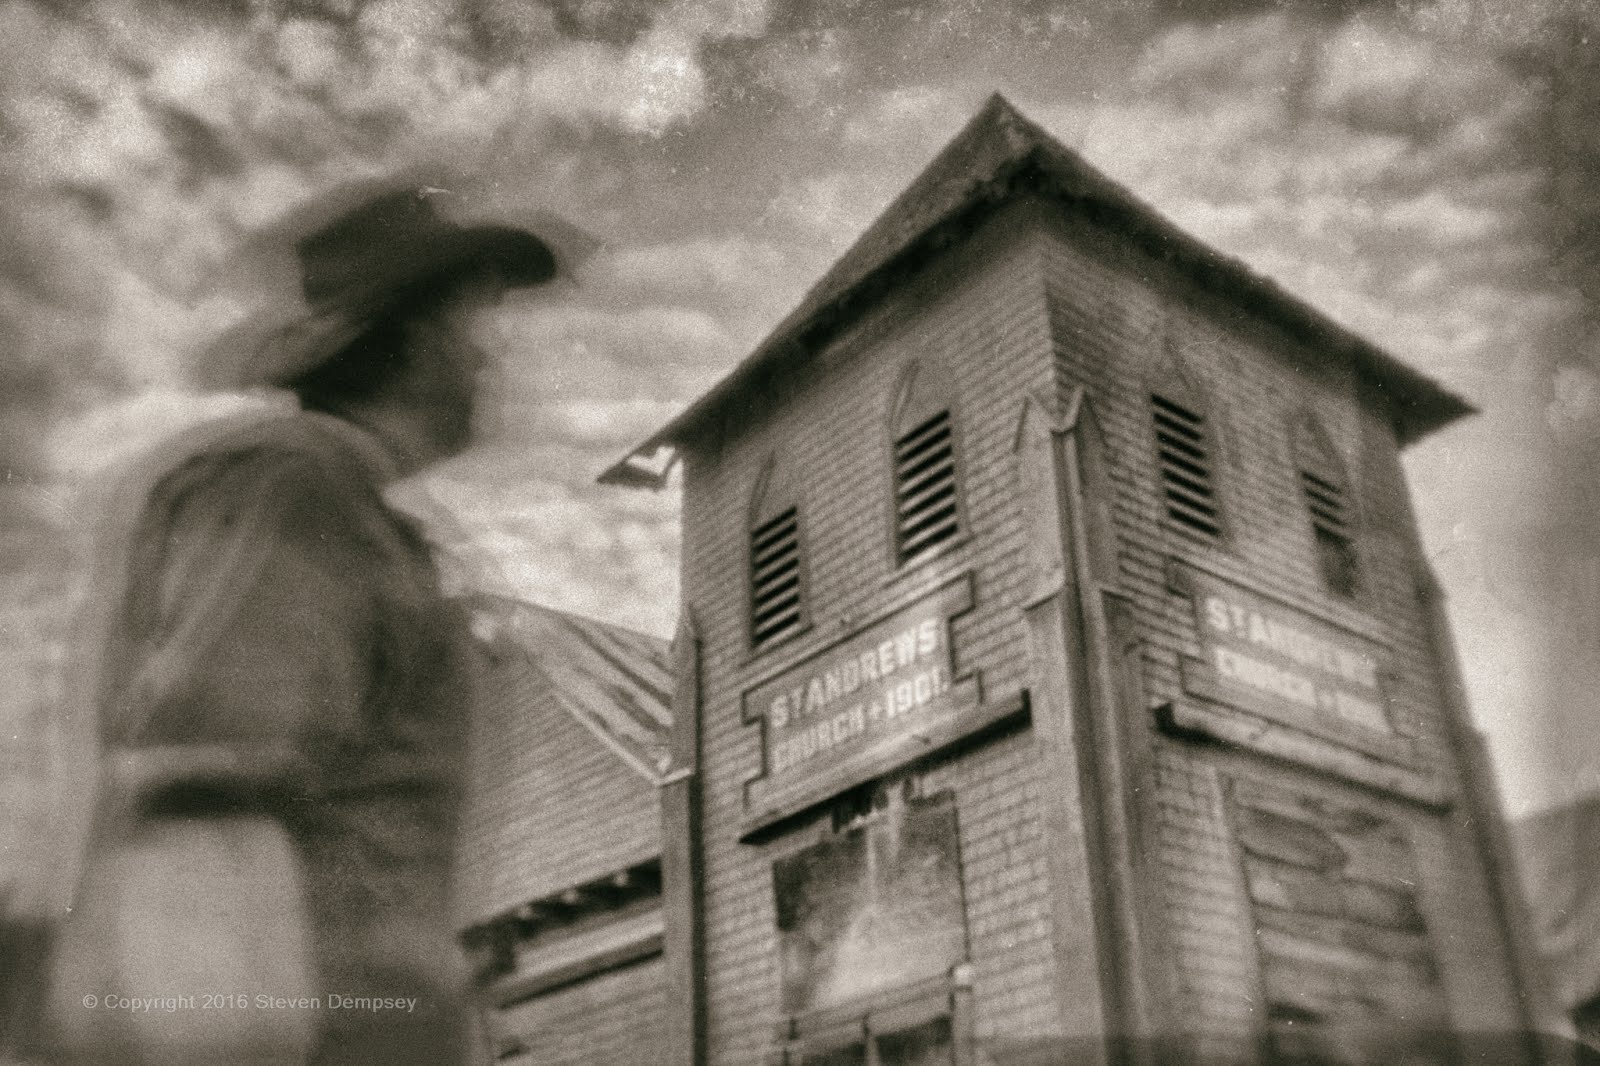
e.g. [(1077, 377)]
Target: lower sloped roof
[(1560, 862), (569, 739)]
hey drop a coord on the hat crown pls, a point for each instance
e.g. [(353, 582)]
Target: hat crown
[(365, 249), (356, 264)]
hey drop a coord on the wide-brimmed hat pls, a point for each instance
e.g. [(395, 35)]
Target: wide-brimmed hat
[(356, 256)]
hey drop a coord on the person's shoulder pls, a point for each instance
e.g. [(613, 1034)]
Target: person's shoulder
[(287, 466), (292, 448)]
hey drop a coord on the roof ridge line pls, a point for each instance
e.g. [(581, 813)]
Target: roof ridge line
[(994, 146)]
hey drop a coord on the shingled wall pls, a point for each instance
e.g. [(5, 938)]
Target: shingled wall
[(615, 1017), (1123, 326), (1145, 841), (988, 328), (1037, 304)]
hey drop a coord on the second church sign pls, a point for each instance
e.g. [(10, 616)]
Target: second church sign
[(1285, 665)]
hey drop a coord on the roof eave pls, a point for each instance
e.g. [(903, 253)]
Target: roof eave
[(789, 337), (1067, 180)]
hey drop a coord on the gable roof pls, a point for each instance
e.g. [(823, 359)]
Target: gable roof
[(998, 155), (569, 740)]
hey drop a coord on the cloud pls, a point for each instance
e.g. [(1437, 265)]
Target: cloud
[(908, 116), (1574, 410), (572, 351), (611, 425), (728, 273), (1265, 55), (1268, 158), (832, 208), (644, 90), (1502, 27), (617, 22), (804, 67), (151, 138), (1410, 170), (1383, 78), (309, 52), (652, 83), (692, 268), (607, 554), (95, 441)]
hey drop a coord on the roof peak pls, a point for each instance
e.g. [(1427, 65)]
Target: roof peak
[(998, 110), (981, 167)]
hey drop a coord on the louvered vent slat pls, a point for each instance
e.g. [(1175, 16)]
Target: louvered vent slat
[(1325, 501), (929, 457), (940, 529), (774, 532), (932, 520), (777, 571), (928, 493), (1197, 488), (775, 608), (938, 425), (925, 487), (1181, 451), (776, 617), (930, 479), (1185, 458), (1190, 502)]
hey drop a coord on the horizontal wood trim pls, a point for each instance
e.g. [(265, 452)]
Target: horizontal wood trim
[(607, 947), (1200, 680), (1293, 744), (889, 1011), (770, 807)]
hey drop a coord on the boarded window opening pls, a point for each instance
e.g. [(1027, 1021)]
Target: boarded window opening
[(1330, 525), (1347, 962), (876, 908), (929, 1044), (926, 512), (775, 588), (1185, 455)]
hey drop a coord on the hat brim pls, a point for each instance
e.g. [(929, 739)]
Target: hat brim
[(275, 347), (518, 257)]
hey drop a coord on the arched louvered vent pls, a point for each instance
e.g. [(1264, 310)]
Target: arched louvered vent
[(1184, 450), (926, 514), (1326, 492), (1330, 524), (775, 590)]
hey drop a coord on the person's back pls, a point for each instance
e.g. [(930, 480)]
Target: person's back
[(281, 694), (278, 660)]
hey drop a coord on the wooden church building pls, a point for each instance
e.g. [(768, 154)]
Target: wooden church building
[(1061, 676)]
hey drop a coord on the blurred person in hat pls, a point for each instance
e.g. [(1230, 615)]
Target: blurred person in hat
[(279, 690)]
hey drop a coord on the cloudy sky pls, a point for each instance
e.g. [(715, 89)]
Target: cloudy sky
[(1426, 172)]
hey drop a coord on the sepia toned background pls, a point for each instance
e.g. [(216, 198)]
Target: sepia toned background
[(1428, 173)]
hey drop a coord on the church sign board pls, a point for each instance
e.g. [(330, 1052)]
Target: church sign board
[(1263, 656), (880, 697)]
